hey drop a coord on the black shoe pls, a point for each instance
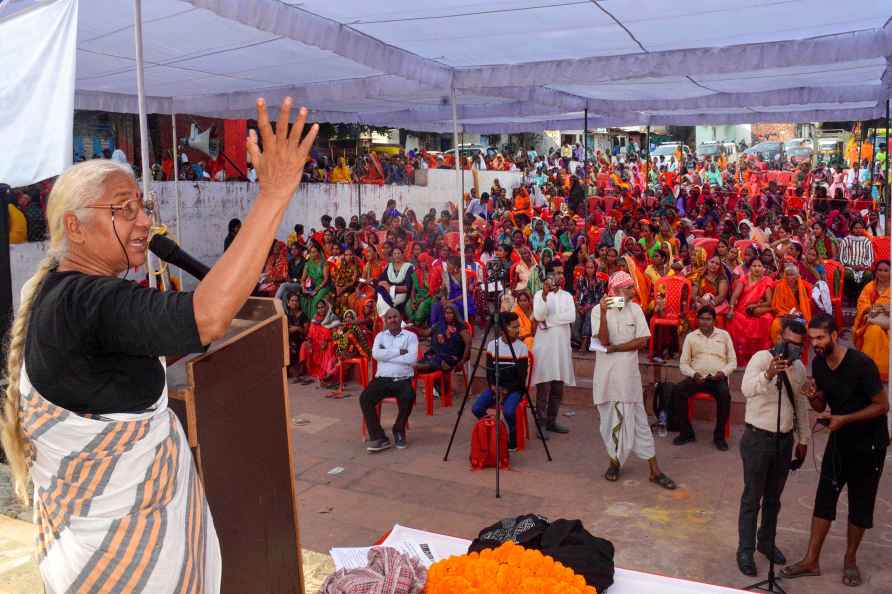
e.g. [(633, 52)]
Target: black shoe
[(399, 441), (779, 558), (747, 564), (512, 445), (721, 445), (683, 439), (377, 445), (555, 428)]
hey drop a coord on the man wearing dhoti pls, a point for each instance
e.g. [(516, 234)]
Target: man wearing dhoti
[(618, 394), (555, 312)]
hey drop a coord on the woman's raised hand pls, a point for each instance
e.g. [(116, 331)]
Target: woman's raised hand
[(280, 165)]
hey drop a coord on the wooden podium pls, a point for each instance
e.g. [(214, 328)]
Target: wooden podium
[(233, 403)]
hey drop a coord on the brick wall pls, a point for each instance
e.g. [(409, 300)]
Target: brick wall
[(774, 132)]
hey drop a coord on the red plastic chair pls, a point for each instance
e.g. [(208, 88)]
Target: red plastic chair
[(676, 304), (365, 430), (429, 378), (880, 248), (362, 369), (707, 243), (836, 279), (742, 244), (706, 396)]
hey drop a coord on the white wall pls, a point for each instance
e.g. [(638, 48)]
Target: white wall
[(207, 208)]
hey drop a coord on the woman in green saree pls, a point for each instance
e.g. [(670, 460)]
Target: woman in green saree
[(314, 282), (537, 273), (425, 283)]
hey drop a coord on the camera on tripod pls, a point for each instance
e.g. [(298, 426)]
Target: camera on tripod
[(496, 279)]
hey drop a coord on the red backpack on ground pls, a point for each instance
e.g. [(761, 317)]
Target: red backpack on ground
[(483, 444)]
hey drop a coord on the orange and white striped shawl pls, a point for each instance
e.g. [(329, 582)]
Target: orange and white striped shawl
[(118, 502)]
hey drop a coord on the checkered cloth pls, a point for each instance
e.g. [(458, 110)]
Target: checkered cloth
[(388, 572)]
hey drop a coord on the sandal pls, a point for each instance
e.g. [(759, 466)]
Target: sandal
[(664, 481), (851, 576), (798, 570), (612, 473)]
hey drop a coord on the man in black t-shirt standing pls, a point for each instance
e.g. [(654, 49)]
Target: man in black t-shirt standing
[(847, 381)]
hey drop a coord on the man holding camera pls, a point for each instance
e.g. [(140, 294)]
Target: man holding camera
[(555, 312), (847, 381), (512, 374), (707, 359), (621, 328), (764, 469)]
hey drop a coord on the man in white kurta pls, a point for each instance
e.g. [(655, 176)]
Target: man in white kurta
[(555, 311), (617, 388)]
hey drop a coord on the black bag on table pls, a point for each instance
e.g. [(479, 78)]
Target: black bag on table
[(565, 541)]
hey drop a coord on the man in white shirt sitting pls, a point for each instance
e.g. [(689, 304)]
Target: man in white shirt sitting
[(707, 360), (396, 351)]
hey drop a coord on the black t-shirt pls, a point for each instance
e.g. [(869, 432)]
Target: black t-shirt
[(93, 341), (848, 389)]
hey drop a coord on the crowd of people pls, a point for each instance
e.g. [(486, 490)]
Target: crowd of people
[(721, 264), (753, 249)]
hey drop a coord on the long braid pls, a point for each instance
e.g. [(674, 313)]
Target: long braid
[(11, 436), (74, 189)]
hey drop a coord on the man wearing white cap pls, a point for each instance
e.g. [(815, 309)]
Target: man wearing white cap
[(620, 326)]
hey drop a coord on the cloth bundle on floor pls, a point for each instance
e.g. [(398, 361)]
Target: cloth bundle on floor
[(566, 541), (388, 572)]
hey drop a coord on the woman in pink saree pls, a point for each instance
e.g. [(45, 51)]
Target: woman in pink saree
[(750, 317)]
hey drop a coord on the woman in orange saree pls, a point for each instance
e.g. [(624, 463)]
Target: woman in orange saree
[(749, 319), (871, 328)]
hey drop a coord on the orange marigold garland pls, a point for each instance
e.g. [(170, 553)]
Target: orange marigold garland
[(509, 569)]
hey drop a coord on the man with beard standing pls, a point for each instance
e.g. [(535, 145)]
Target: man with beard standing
[(847, 381), (554, 310)]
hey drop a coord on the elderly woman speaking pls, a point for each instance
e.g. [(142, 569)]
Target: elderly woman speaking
[(118, 502)]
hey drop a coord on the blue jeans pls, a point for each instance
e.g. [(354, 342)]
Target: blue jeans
[(487, 398)]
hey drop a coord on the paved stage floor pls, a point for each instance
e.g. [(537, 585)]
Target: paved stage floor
[(689, 533)]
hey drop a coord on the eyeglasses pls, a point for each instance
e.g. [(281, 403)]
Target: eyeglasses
[(130, 209)]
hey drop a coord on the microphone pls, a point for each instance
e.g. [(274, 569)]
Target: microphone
[(168, 250)]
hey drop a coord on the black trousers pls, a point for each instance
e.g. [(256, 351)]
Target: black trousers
[(764, 478), (548, 401), (379, 389), (717, 388)]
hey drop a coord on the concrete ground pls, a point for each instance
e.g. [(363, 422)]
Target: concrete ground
[(689, 533), (349, 498)]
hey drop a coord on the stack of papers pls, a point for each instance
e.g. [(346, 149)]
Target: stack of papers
[(426, 547)]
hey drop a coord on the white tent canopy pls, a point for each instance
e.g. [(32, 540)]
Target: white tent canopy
[(515, 65)]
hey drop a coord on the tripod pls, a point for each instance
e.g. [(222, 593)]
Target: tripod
[(495, 321), (771, 584)]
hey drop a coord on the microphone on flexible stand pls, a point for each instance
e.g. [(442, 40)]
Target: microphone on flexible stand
[(168, 250)]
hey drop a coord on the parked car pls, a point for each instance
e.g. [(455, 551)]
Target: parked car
[(799, 154), (667, 149), (768, 150), (714, 148), (799, 143)]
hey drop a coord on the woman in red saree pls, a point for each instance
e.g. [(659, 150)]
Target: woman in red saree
[(275, 271), (317, 353), (749, 319)]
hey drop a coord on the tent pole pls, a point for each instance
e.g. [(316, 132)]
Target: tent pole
[(585, 139), (459, 183), (176, 187), (461, 141), (647, 152), (888, 188), (143, 125)]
